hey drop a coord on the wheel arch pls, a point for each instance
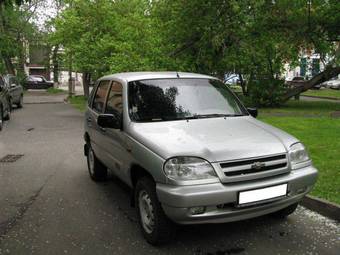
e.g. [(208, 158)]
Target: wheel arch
[(137, 172)]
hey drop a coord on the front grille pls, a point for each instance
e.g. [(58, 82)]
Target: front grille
[(254, 166)]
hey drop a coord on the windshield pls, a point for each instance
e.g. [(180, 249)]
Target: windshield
[(175, 99)]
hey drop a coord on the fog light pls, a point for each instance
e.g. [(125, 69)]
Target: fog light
[(197, 210)]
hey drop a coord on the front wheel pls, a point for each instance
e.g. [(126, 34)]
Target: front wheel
[(155, 225), (1, 117), (20, 104), (8, 114), (285, 212), (97, 170)]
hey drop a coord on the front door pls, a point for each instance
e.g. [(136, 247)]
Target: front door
[(115, 142), (96, 133)]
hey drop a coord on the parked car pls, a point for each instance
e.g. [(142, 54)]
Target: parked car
[(191, 152), (333, 83), (15, 90), (298, 81), (231, 79), (5, 103), (37, 82)]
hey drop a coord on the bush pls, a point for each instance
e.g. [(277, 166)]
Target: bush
[(266, 92)]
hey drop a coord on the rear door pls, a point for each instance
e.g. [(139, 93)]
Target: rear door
[(97, 133)]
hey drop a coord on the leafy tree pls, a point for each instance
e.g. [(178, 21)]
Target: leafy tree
[(15, 30)]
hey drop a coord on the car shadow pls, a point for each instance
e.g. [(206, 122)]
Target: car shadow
[(224, 238)]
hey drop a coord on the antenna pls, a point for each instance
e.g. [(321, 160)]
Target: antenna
[(177, 75)]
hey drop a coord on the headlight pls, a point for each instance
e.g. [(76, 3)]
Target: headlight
[(297, 154), (189, 168)]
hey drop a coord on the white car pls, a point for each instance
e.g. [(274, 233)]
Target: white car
[(333, 83)]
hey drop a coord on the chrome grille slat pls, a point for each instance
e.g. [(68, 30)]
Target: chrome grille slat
[(254, 168), (245, 167)]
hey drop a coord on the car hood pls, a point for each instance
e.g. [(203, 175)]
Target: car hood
[(214, 139)]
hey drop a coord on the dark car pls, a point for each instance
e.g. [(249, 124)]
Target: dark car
[(5, 103), (37, 82), (15, 90)]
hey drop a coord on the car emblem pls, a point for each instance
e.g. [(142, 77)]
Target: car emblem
[(258, 165)]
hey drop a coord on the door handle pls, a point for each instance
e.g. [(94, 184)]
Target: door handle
[(102, 129), (89, 120)]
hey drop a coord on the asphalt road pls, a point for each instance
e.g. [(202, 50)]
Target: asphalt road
[(49, 205)]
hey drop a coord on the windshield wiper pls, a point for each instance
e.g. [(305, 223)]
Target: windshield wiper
[(214, 115)]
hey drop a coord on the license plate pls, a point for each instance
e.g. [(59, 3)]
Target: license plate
[(257, 195)]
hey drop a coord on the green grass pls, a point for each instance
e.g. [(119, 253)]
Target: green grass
[(320, 134), (303, 109), (78, 102), (55, 91), (328, 93)]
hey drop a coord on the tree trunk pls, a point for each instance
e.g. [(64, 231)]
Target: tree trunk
[(327, 74), (243, 85), (86, 83), (55, 63), (70, 79), (9, 65)]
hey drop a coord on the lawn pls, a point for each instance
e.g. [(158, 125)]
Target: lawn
[(311, 123), (78, 102), (321, 135), (56, 91), (327, 93)]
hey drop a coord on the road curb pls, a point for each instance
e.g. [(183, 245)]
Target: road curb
[(328, 98), (321, 206)]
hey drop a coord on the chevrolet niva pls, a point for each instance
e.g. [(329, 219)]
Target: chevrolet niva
[(191, 152)]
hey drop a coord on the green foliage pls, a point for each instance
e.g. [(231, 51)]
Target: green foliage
[(253, 38), (15, 30), (106, 37), (266, 92)]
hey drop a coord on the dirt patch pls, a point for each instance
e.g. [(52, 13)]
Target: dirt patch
[(335, 115)]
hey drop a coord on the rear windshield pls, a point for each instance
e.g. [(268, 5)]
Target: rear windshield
[(176, 99)]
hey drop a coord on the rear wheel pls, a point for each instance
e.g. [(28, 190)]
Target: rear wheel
[(155, 225), (285, 212), (97, 170)]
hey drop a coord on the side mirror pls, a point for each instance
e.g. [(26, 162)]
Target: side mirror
[(109, 121), (253, 112)]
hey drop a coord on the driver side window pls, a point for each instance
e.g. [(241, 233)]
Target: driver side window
[(100, 96), (114, 103)]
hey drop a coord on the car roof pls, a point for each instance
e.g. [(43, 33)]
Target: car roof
[(135, 76)]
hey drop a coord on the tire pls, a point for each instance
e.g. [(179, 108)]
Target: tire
[(155, 225), (20, 104), (285, 212), (97, 170), (1, 118)]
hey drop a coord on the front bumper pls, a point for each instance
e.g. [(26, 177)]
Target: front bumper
[(220, 199)]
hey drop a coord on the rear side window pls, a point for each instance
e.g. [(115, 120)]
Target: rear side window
[(100, 96), (1, 82), (114, 101)]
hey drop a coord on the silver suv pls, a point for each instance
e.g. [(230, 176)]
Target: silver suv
[(191, 152)]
